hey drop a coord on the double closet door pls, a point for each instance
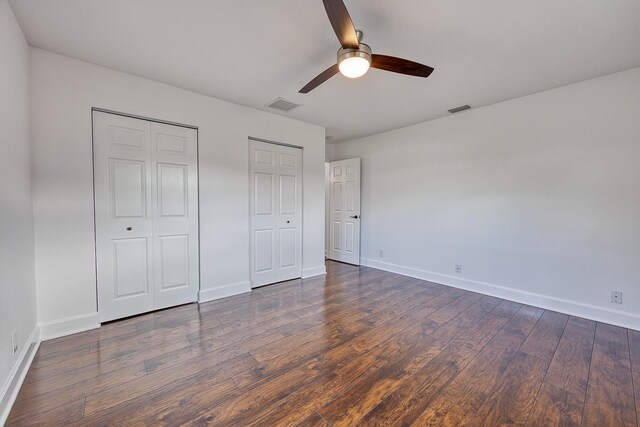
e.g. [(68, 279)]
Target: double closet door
[(276, 212), (146, 211)]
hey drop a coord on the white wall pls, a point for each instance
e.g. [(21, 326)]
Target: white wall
[(17, 286), (63, 92), (538, 198)]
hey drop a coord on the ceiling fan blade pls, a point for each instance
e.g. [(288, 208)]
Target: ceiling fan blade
[(399, 65), (341, 23), (320, 78)]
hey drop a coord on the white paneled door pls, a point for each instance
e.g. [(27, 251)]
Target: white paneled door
[(344, 211), (146, 206), (276, 212)]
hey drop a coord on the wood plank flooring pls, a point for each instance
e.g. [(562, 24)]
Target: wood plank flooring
[(357, 347)]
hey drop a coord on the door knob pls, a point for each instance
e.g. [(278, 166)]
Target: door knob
[(129, 228), (354, 217)]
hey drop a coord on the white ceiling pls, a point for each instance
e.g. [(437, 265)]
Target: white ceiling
[(252, 51)]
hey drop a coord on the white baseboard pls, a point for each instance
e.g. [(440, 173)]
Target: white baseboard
[(600, 314), (314, 271), (224, 291), (69, 325), (12, 386)]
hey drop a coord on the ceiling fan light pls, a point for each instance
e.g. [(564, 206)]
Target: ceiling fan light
[(354, 67), (354, 62)]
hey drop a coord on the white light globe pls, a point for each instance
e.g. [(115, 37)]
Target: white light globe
[(353, 67)]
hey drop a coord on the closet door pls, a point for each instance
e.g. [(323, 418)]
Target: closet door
[(124, 246), (145, 182), (175, 214), (276, 212)]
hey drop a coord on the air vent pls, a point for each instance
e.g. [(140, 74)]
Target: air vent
[(458, 109), (282, 105)]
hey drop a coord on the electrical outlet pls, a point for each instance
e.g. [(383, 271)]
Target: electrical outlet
[(381, 253), (14, 342), (616, 297), (459, 268)]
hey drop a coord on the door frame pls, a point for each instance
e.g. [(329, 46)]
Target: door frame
[(250, 223), (93, 188)]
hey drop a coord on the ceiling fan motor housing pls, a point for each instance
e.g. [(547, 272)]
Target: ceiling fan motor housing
[(363, 51)]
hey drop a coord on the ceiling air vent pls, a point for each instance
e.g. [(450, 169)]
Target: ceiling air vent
[(282, 105), (458, 109)]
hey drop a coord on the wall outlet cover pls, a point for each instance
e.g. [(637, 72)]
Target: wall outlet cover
[(616, 297)]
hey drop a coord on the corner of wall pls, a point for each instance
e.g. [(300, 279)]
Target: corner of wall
[(69, 325), (318, 270), (205, 295)]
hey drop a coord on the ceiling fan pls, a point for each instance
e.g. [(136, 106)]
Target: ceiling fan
[(355, 57)]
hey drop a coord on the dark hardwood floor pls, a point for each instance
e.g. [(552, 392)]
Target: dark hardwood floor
[(357, 347)]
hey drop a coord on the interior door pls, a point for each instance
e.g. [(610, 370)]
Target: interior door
[(344, 211), (124, 246), (146, 210), (276, 212), (175, 217)]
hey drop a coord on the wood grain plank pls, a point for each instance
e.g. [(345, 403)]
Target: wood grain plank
[(228, 346), (524, 321), (397, 347), (128, 353), (419, 387), (176, 407), (462, 397), (222, 365), (31, 401), (377, 399), (240, 411), (375, 336), (569, 369), (60, 415), (341, 374), (164, 405), (513, 397), (346, 376), (313, 420), (556, 407), (610, 399), (543, 339), (378, 317)]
